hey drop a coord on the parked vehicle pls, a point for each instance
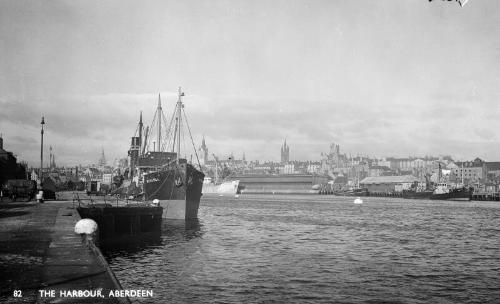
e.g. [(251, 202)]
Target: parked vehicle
[(19, 189)]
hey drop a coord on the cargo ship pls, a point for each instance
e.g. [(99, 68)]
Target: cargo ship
[(161, 177), (281, 183), (229, 187), (226, 187)]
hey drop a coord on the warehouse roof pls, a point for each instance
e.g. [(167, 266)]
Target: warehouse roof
[(389, 179)]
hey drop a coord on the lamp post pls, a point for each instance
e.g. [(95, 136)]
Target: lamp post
[(40, 194), (41, 149)]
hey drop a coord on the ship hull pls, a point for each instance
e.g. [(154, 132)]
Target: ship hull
[(461, 194), (177, 188), (417, 195), (226, 188), (118, 224), (353, 192)]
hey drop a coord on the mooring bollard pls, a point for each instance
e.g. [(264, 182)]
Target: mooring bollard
[(88, 229), (39, 197)]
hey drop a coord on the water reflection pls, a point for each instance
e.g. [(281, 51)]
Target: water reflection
[(292, 249), (172, 231), (131, 244), (180, 230)]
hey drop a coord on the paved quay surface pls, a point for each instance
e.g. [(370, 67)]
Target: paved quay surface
[(40, 251)]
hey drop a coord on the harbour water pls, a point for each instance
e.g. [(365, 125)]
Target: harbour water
[(321, 249)]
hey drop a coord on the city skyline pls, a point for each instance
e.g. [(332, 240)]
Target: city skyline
[(383, 78)]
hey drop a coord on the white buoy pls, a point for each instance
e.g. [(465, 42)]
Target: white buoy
[(85, 226), (156, 202), (236, 196), (358, 201)]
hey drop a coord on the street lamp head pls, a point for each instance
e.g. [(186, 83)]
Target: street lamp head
[(43, 120)]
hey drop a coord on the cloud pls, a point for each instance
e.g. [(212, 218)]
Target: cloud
[(80, 126), (369, 76)]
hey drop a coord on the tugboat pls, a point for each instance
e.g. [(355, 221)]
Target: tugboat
[(444, 192)]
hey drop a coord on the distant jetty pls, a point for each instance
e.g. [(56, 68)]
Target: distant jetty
[(281, 183)]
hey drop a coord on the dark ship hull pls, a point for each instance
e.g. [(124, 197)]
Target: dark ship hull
[(178, 188), (353, 192), (454, 194), (411, 194)]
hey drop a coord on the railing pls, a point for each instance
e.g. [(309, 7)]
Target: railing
[(92, 200), (107, 200)]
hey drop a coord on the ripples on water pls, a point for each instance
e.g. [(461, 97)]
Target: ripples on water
[(322, 249)]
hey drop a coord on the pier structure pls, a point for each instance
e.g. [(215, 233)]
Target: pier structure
[(43, 258), (486, 196)]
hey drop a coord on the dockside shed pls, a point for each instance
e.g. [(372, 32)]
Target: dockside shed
[(388, 184)]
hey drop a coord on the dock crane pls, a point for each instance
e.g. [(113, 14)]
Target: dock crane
[(216, 177)]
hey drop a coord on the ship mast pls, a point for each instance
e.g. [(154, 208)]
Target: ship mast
[(140, 133), (179, 109), (159, 122)]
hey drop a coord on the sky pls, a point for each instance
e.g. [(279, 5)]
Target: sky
[(380, 78)]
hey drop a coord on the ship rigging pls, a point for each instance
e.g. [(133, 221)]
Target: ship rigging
[(166, 177)]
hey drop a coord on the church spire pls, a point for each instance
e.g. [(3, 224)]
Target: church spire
[(102, 160), (285, 153)]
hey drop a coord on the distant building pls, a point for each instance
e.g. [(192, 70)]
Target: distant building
[(313, 168), (107, 178), (102, 160), (9, 168), (285, 153), (52, 160), (334, 162), (388, 184), (93, 174), (470, 171), (289, 169), (375, 171), (493, 171), (203, 152)]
